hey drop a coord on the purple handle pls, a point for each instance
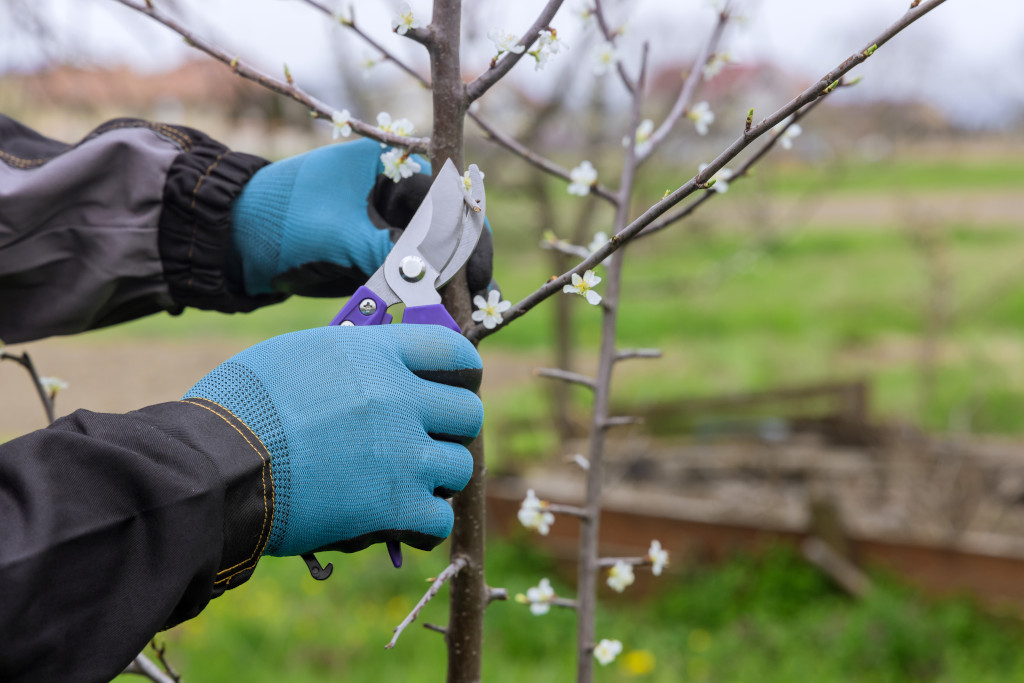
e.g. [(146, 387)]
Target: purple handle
[(432, 314), (364, 308)]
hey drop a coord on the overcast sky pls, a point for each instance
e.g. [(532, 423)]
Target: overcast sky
[(965, 56)]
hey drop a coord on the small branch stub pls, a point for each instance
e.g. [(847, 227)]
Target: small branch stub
[(566, 376), (449, 573)]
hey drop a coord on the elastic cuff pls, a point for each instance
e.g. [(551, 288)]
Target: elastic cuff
[(249, 500), (195, 225)]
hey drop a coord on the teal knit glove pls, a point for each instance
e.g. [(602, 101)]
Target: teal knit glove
[(306, 220), (361, 425)]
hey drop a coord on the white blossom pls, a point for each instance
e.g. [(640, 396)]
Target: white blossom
[(583, 178), (505, 41), (532, 516), (540, 596), (607, 650), (368, 62), (399, 127), (716, 64), (490, 309), (52, 385), (786, 137), (642, 138), (605, 58), (658, 557), (585, 13), (548, 45), (717, 5), (584, 286), (702, 117), (405, 20), (468, 182), (339, 120), (398, 164), (721, 179), (620, 576), (600, 239)]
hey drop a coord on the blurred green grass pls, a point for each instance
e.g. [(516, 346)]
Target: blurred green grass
[(735, 307), (770, 618)]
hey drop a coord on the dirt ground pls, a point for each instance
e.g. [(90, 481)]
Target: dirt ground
[(133, 373)]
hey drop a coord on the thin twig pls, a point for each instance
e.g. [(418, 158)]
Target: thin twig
[(449, 572), (743, 172), (610, 36), (606, 562), (47, 399), (484, 81), (565, 376), (693, 79), (570, 510), (532, 157), (621, 421), (437, 629), (554, 285), (497, 595), (246, 70), (350, 23), (627, 354), (563, 247), (161, 654), (144, 667)]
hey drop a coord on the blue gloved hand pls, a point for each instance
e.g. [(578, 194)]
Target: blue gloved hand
[(360, 423), (319, 224)]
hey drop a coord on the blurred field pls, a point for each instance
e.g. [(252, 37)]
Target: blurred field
[(773, 619), (906, 272)]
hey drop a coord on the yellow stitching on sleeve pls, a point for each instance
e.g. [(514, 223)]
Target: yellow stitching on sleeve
[(261, 543), (195, 222)]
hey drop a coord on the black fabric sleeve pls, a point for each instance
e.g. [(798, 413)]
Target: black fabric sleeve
[(133, 219), (115, 526)]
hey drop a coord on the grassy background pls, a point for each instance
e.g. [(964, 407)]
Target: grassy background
[(769, 619), (737, 304)]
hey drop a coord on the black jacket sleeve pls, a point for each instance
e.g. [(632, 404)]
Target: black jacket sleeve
[(115, 526), (133, 219)]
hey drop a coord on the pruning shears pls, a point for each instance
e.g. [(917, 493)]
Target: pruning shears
[(434, 246)]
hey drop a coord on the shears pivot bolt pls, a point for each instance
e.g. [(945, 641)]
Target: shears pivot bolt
[(367, 306), (346, 323), (412, 268)]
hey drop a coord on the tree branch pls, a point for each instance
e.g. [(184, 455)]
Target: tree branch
[(25, 361), (246, 70), (532, 157), (742, 172), (626, 354), (570, 510), (609, 36), (608, 562), (554, 285), (350, 23), (484, 81), (566, 376), (142, 666), (620, 421), (449, 572), (682, 102)]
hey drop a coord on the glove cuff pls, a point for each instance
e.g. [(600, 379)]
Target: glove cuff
[(195, 226), (237, 390), (258, 218)]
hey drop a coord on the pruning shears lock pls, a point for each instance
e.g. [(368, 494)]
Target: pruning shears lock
[(434, 246)]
